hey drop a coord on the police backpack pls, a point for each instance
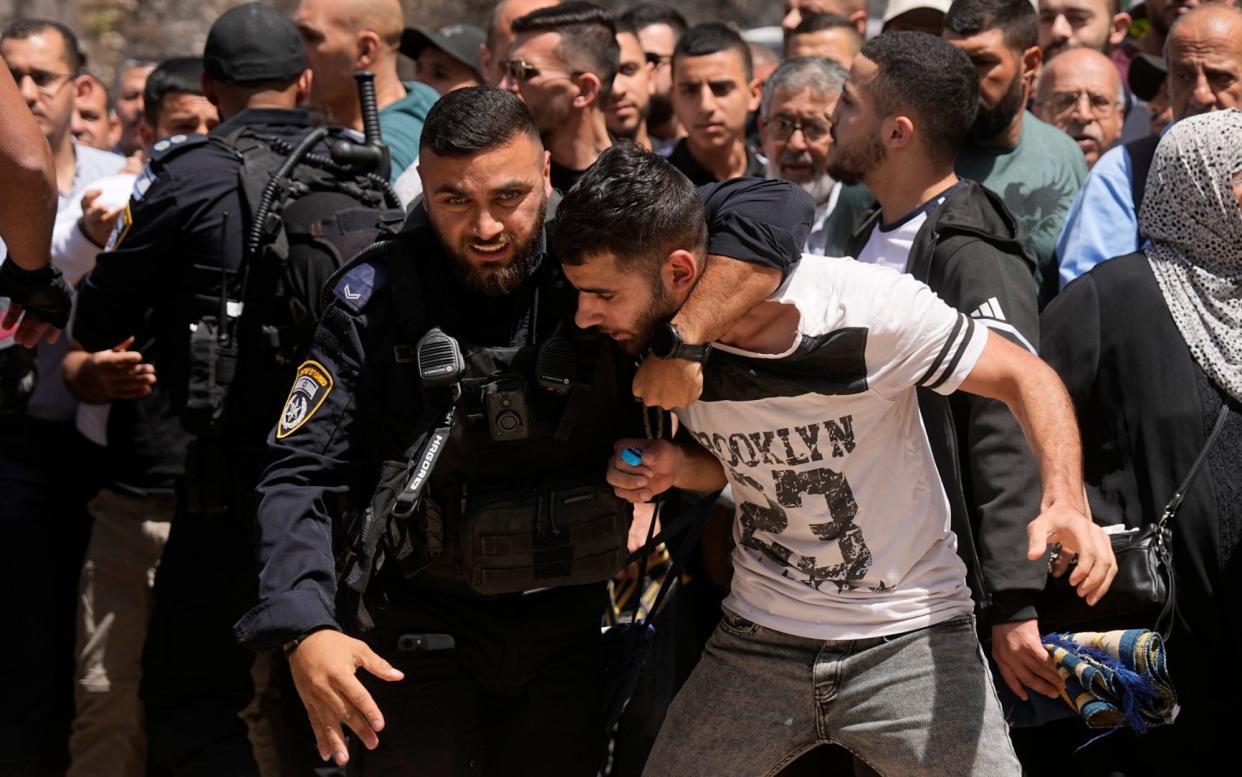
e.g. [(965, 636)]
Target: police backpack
[(305, 217)]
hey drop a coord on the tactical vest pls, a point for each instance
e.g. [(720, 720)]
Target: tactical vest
[(303, 220), (317, 216), (516, 499)]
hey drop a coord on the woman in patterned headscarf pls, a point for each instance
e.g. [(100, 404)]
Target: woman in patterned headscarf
[(1150, 347), (1194, 223)]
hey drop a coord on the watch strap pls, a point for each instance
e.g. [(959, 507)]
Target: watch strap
[(694, 353)]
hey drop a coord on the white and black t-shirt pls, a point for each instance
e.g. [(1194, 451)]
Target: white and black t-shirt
[(889, 244), (842, 523)]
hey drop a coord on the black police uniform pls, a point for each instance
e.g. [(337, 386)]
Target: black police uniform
[(180, 240), (499, 684)]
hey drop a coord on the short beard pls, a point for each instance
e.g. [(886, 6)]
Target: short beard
[(851, 165), (991, 122), (660, 310), (819, 187), (498, 283)]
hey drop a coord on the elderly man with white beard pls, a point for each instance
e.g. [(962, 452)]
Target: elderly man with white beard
[(795, 128)]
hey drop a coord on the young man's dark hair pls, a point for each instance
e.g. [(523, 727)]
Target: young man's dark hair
[(1017, 19), (930, 78), (624, 26), (648, 14), (26, 28), (477, 118), (172, 76), (711, 38), (588, 36), (633, 204), (818, 22)]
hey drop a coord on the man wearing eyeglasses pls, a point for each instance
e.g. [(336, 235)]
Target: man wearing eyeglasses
[(562, 64), (795, 126), (1204, 54), (43, 476), (1080, 94)]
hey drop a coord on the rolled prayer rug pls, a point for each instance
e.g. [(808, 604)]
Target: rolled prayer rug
[(1115, 678)]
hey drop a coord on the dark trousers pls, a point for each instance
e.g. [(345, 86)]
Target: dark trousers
[(517, 694), (196, 678), (46, 477)]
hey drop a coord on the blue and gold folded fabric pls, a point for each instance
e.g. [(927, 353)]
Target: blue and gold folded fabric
[(1115, 678)]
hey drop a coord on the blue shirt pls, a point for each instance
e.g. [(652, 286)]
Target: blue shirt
[(1101, 222)]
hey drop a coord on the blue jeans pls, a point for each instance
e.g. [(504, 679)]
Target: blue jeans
[(919, 703)]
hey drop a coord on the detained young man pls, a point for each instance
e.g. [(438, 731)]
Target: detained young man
[(849, 619)]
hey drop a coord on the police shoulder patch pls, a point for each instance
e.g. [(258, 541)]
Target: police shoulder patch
[(123, 223), (355, 287), (311, 387)]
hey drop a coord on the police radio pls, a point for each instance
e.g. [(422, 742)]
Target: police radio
[(213, 356), (556, 365), (440, 363)]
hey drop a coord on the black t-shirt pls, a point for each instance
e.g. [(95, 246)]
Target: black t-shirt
[(563, 178), (684, 160)]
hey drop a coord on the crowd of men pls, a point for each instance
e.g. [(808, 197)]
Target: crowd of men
[(326, 401)]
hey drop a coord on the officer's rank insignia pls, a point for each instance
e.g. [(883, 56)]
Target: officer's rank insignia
[(310, 388)]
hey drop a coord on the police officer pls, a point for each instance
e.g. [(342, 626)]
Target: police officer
[(190, 280), (450, 349)]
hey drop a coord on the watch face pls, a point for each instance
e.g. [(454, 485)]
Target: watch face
[(662, 341)]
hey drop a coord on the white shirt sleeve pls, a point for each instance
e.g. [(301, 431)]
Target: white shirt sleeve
[(72, 252), (914, 339)]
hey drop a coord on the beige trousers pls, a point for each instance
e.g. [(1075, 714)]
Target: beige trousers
[(127, 540)]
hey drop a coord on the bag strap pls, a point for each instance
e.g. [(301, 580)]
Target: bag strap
[(1175, 504), (1164, 623)]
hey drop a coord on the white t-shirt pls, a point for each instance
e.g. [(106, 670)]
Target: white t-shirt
[(891, 247), (842, 523), (889, 244)]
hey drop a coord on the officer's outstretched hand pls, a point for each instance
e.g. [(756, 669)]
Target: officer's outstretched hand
[(325, 671), (653, 475)]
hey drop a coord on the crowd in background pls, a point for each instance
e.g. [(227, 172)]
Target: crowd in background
[(1073, 99)]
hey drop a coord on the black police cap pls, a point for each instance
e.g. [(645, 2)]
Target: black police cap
[(253, 42)]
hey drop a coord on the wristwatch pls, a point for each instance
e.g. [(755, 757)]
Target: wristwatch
[(666, 343)]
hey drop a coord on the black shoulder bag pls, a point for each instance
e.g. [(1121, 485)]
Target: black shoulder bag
[(1143, 593)]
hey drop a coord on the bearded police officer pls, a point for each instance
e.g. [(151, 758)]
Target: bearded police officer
[(214, 272), (447, 436)]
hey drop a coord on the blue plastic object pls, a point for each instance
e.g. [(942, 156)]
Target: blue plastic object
[(632, 456)]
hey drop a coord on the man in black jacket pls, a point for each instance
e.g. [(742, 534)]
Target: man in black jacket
[(905, 110)]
